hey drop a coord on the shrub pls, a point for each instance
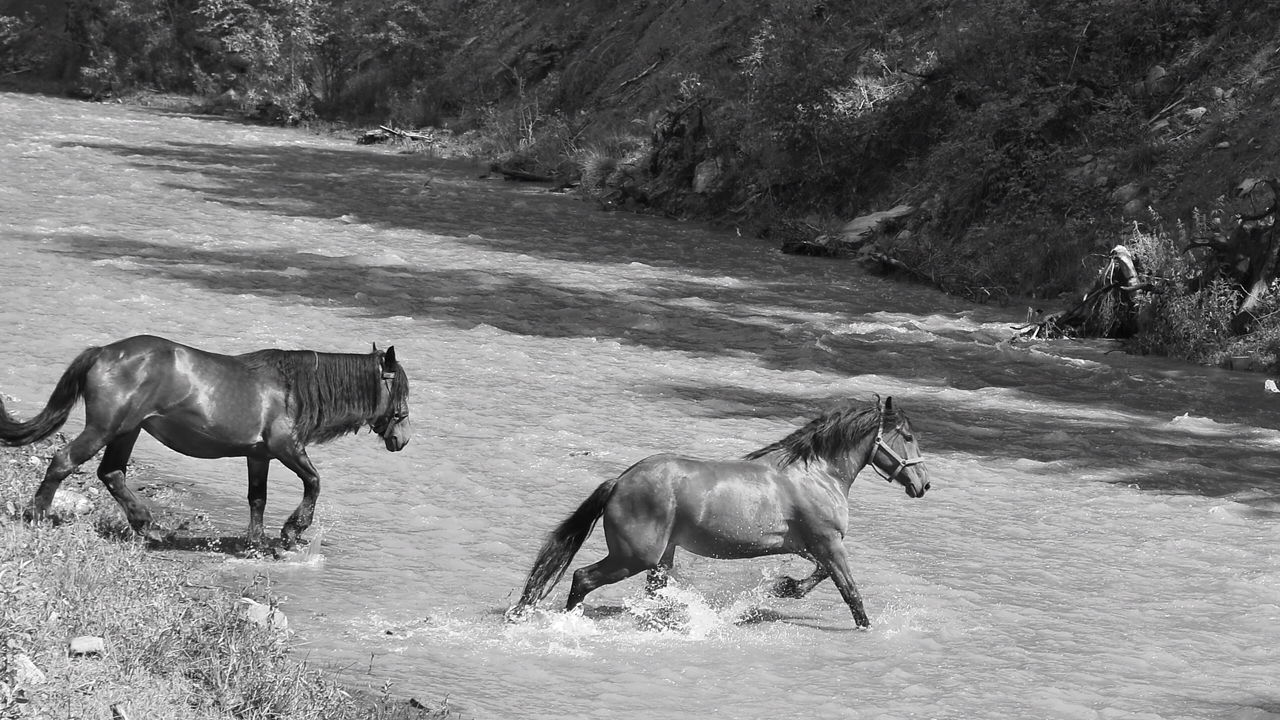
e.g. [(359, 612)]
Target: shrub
[(1180, 321)]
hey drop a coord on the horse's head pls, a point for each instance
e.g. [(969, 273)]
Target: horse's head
[(896, 456), (392, 421)]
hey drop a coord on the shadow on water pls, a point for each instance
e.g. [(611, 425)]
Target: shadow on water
[(747, 317), (674, 617), (530, 305)]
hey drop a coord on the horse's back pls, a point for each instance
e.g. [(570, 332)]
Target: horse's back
[(155, 359), (197, 402), (715, 508), (695, 472)]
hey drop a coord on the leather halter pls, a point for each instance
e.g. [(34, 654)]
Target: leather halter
[(899, 463), (393, 415)]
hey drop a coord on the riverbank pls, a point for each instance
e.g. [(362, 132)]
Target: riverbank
[(169, 642)]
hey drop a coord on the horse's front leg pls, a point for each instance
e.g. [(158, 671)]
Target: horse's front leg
[(659, 575), (300, 520), (258, 469), (831, 556)]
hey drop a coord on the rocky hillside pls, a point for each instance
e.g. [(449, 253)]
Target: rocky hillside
[(1028, 136), (1024, 135)]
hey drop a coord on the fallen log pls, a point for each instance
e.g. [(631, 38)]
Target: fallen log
[(512, 173)]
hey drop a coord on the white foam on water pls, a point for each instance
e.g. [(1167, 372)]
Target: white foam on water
[(1100, 540)]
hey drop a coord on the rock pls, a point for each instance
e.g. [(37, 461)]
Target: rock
[(26, 673), (1239, 362), (87, 645), (1137, 209), (1132, 191), (705, 175), (1158, 81), (1222, 145), (70, 503), (855, 231), (263, 615), (1195, 114)]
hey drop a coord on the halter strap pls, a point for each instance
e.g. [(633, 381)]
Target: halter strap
[(381, 424), (899, 463)]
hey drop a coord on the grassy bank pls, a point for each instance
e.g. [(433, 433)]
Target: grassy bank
[(174, 646)]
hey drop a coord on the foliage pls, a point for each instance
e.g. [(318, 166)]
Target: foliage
[(1193, 325), (24, 45), (807, 112), (271, 43), (1180, 319)]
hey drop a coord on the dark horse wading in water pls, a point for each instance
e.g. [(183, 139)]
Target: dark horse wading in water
[(788, 497), (263, 405)]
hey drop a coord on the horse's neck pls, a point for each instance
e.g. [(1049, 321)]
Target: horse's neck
[(838, 473), (845, 468)]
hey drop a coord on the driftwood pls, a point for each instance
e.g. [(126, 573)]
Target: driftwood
[(853, 236), (1247, 257), (622, 86), (514, 173), (384, 133), (1108, 310)]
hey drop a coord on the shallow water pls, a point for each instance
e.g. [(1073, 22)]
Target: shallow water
[(1099, 541)]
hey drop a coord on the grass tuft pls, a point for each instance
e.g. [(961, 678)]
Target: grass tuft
[(176, 647)]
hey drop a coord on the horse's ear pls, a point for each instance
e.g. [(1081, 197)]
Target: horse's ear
[(879, 403), (888, 404), (389, 360), (375, 348)]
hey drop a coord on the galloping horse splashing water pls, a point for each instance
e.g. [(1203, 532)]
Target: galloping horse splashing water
[(788, 497), (263, 405)]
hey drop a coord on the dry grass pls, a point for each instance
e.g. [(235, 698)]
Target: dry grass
[(175, 647)]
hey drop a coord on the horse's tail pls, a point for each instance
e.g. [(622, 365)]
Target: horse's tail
[(70, 387), (560, 547)]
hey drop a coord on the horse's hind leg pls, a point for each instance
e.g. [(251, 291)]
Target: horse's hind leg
[(605, 572), (789, 587), (111, 471), (64, 462), (258, 469)]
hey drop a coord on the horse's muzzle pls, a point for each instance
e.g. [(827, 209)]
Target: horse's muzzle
[(916, 482)]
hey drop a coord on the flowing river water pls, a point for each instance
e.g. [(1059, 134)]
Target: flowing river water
[(1100, 540)]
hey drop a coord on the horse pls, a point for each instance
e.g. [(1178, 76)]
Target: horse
[(262, 405), (788, 497)]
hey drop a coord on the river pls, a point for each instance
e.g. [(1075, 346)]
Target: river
[(1099, 542)]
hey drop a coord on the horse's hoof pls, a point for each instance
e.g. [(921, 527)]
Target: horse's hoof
[(515, 613), (291, 538), (155, 535)]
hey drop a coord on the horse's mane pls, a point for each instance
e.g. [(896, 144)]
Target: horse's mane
[(328, 395), (829, 436)]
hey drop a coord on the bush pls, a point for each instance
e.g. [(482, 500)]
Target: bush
[(1180, 321)]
